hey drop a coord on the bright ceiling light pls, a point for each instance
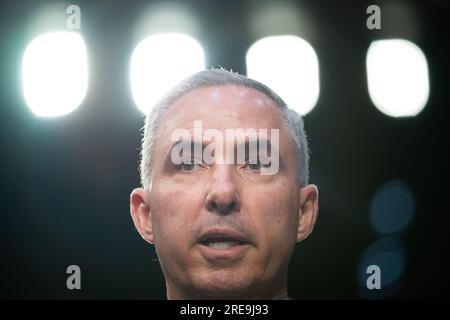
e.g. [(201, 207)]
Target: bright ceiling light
[(55, 73), (161, 61), (289, 66), (397, 77)]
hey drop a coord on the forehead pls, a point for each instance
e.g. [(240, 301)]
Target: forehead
[(223, 107)]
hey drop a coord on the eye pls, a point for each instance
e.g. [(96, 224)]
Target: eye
[(257, 165), (188, 165)]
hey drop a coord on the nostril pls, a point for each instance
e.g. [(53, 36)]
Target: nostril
[(222, 207), (211, 206), (225, 209), (223, 196)]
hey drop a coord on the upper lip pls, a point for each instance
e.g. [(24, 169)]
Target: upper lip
[(225, 234)]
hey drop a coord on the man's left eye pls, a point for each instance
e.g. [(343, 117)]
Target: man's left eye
[(188, 166), (256, 165)]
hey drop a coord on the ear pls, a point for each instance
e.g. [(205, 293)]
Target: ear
[(307, 215), (141, 213)]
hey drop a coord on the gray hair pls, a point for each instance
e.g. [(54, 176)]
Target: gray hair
[(215, 78)]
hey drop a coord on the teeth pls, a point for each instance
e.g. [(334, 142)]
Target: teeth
[(221, 245)]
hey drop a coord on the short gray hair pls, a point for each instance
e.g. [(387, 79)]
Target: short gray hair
[(216, 78)]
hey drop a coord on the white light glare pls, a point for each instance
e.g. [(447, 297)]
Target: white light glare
[(55, 73), (397, 77), (289, 66), (159, 62)]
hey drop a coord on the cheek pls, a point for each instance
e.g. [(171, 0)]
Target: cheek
[(173, 212), (275, 215)]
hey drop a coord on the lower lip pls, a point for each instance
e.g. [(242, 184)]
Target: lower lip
[(232, 253)]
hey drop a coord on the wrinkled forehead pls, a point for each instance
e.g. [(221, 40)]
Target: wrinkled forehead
[(223, 107)]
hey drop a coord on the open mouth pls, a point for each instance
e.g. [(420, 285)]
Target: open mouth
[(221, 243), (222, 239)]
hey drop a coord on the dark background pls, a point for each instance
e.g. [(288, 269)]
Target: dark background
[(65, 181)]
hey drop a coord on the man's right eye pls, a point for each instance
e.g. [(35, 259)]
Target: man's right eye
[(188, 165)]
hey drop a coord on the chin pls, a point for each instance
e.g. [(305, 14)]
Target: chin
[(225, 284)]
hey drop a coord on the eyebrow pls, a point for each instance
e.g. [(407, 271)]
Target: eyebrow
[(203, 144), (247, 143), (193, 143), (269, 149)]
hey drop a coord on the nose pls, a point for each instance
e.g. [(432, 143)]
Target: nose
[(223, 195)]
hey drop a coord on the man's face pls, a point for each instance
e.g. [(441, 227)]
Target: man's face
[(223, 230)]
